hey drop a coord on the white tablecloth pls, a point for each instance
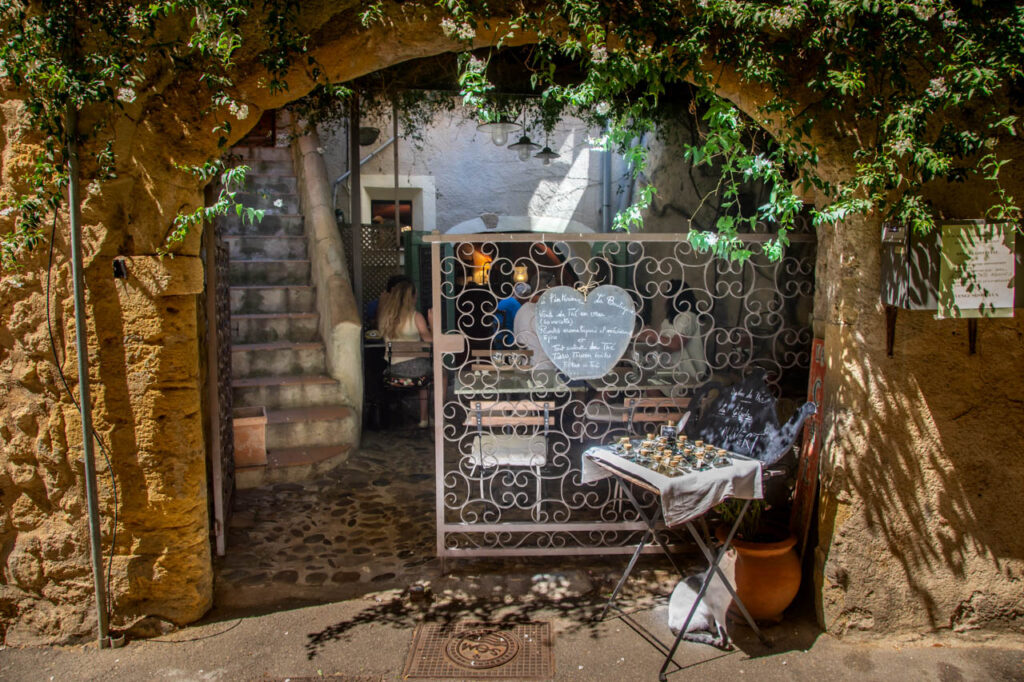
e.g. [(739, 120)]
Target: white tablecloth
[(686, 497)]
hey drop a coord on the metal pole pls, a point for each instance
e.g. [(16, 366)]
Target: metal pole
[(344, 176), (82, 350), (394, 136), (356, 203), (606, 188)]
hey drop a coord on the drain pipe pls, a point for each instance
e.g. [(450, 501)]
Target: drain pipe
[(344, 176), (82, 350), (606, 187)]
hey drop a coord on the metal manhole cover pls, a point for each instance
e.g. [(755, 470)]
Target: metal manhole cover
[(476, 650), (482, 649)]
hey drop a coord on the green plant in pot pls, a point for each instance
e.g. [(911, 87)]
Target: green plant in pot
[(767, 565)]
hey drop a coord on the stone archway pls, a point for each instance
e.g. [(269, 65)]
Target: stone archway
[(915, 529)]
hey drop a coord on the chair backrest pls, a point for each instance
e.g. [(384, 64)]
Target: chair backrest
[(743, 418), (408, 349), (508, 447), (511, 413)]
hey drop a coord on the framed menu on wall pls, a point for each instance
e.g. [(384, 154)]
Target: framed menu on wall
[(976, 272)]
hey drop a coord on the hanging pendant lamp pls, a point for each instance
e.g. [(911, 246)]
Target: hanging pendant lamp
[(499, 130), (523, 147)]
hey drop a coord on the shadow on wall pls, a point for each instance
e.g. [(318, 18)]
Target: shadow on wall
[(939, 480), (149, 373)]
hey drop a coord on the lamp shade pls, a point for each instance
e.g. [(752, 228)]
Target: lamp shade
[(546, 155), (499, 130), (520, 273), (523, 147)]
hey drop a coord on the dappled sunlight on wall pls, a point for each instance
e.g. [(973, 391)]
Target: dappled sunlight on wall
[(922, 477)]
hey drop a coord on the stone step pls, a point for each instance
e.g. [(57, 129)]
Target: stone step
[(292, 465), (262, 153), (255, 247), (270, 183), (278, 358), (303, 390), (272, 204), (285, 271), (307, 427), (272, 225), (283, 457), (272, 298), (249, 328)]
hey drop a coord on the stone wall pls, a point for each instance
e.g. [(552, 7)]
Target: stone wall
[(919, 526)]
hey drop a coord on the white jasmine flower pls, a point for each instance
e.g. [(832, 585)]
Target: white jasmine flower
[(466, 32), (712, 238), (901, 146), (278, 203), (598, 54), (239, 111), (937, 87), (602, 108), (759, 165), (126, 95), (448, 27)]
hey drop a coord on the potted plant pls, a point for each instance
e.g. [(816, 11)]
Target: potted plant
[(767, 565)]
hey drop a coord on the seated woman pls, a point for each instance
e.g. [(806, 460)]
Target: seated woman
[(398, 320)]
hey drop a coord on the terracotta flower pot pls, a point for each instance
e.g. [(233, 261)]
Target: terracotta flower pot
[(767, 574)]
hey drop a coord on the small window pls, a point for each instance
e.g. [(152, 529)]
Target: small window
[(382, 212)]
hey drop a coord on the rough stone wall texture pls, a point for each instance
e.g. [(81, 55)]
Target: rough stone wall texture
[(143, 358), (921, 468), (920, 528)]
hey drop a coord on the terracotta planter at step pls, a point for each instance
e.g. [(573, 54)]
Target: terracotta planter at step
[(767, 574), (250, 426)]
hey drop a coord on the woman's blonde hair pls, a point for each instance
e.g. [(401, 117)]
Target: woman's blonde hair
[(395, 307)]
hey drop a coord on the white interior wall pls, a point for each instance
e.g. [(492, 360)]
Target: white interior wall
[(464, 174)]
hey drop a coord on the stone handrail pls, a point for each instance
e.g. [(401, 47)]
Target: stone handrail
[(340, 326)]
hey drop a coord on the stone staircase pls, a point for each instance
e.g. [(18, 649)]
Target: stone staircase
[(278, 360)]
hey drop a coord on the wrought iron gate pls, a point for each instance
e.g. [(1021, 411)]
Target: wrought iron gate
[(510, 432)]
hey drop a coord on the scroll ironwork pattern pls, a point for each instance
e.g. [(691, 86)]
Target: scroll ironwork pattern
[(514, 428)]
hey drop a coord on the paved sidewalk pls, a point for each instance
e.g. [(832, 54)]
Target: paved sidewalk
[(354, 541), (368, 639)]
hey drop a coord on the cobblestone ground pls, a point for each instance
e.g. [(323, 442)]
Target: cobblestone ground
[(368, 526)]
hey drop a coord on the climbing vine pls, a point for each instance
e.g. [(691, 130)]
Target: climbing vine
[(928, 91)]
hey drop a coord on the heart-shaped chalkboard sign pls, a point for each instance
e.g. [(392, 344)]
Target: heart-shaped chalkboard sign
[(585, 336)]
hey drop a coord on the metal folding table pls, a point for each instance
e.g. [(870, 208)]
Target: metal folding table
[(629, 475)]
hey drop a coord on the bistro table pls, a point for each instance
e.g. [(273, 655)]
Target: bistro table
[(682, 500), (479, 382), (632, 379)]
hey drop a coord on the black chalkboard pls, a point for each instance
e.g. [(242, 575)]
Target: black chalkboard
[(585, 338)]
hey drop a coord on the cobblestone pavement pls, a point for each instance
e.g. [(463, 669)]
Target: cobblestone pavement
[(368, 526)]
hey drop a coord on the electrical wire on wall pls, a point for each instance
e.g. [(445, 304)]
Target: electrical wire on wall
[(103, 447)]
